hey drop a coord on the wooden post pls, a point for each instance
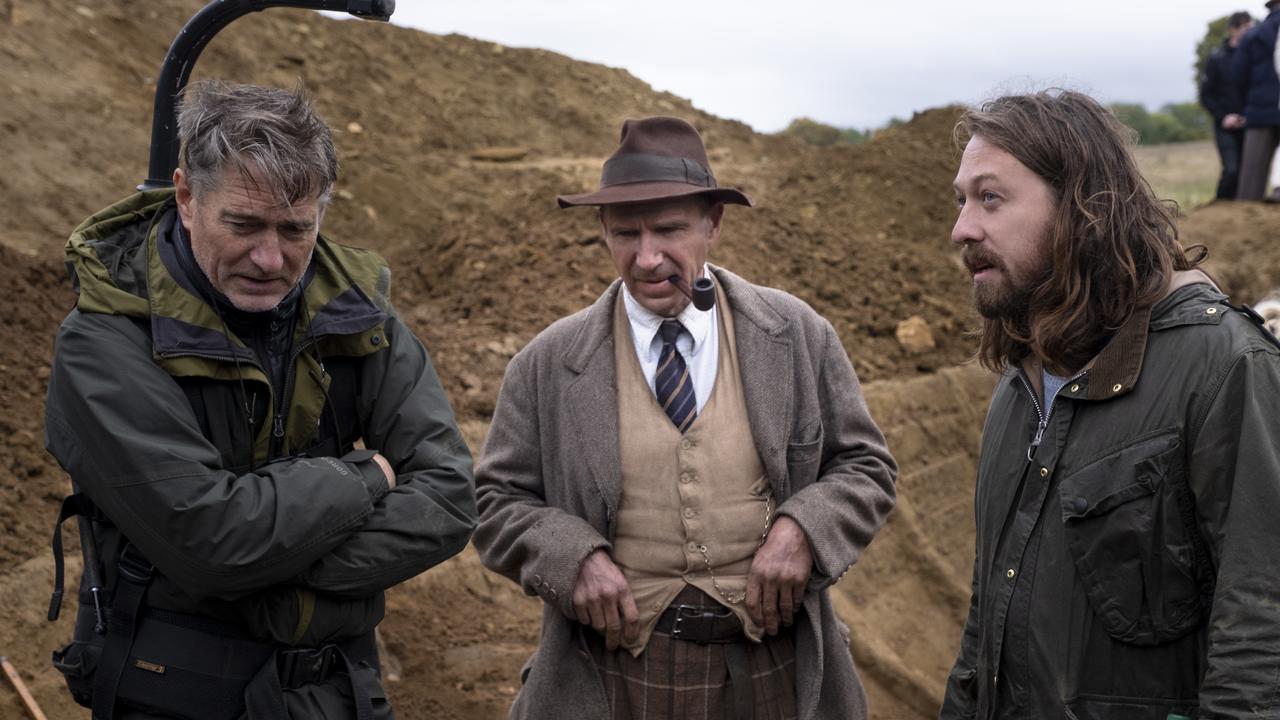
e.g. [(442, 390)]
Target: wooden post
[(28, 700)]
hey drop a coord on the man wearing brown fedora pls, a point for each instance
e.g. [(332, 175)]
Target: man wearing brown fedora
[(681, 481)]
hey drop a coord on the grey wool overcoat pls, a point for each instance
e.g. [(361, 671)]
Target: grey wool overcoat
[(549, 485)]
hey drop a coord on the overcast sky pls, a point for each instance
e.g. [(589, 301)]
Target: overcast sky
[(853, 63)]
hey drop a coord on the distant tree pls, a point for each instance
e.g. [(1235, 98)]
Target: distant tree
[(854, 135), (822, 134), (1135, 116), (813, 132), (1191, 116), (1174, 122)]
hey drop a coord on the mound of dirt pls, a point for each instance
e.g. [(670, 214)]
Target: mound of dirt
[(34, 297), (1244, 256), (453, 151)]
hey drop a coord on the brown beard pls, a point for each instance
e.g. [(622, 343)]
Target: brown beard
[(1012, 300), (1004, 302)]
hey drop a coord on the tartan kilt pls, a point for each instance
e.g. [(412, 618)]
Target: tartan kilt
[(682, 680)]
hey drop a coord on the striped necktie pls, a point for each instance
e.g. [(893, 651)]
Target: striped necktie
[(672, 382)]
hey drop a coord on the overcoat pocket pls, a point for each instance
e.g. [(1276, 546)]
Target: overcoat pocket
[(803, 462), (1129, 524)]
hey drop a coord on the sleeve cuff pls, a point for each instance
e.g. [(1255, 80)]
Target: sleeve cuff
[(375, 481)]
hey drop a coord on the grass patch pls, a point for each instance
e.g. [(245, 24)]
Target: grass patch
[(1184, 172)]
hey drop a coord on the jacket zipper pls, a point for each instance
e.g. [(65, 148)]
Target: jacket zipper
[(1043, 421), (278, 418), (252, 360), (282, 404)]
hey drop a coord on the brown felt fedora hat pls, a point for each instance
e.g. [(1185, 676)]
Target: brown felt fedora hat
[(657, 158)]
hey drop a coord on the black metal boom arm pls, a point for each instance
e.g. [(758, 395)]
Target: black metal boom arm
[(186, 49)]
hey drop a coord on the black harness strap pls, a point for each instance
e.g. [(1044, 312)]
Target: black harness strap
[(264, 696), (77, 505), (134, 575), (71, 507)]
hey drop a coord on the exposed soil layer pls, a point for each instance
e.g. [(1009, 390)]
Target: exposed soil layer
[(453, 151)]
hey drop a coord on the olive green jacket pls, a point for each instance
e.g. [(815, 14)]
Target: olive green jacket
[(1126, 564), (145, 411)]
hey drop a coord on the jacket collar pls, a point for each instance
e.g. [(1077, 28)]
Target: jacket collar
[(1192, 298), (184, 321), (120, 265)]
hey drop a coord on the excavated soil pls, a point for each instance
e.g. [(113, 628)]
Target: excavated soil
[(453, 150)]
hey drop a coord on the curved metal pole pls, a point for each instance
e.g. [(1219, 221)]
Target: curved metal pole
[(186, 49)]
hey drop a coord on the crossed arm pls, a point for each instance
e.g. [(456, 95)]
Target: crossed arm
[(343, 530)]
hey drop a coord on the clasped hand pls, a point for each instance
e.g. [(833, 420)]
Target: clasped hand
[(602, 599), (775, 587), (779, 574)]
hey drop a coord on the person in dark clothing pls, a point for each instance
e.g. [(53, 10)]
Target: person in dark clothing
[(260, 446), (1126, 494), (1258, 92), (1218, 96)]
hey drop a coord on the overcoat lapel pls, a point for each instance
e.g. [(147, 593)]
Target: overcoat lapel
[(764, 361), (591, 399)]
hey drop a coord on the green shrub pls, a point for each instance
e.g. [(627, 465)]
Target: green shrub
[(822, 134), (1174, 122)]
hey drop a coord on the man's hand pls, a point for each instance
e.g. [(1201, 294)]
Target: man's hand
[(1233, 121), (386, 470), (779, 573), (602, 599)]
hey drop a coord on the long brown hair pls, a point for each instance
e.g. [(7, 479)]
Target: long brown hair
[(1113, 246)]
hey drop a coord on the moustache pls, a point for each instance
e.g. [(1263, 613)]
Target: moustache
[(652, 278), (976, 258)]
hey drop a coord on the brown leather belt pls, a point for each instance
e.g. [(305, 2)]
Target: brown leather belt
[(715, 625)]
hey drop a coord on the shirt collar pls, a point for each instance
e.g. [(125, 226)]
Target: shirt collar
[(645, 322)]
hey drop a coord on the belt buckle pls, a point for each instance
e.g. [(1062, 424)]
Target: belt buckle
[(132, 565), (304, 665), (701, 625)]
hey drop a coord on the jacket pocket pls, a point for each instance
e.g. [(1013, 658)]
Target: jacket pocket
[(1109, 708), (1129, 525), (961, 699), (803, 462)]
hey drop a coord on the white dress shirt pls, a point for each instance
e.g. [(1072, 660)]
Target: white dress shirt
[(699, 345)]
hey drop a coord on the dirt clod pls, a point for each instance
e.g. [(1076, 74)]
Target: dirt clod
[(914, 335)]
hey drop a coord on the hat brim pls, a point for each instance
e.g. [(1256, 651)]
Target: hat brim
[(651, 191)]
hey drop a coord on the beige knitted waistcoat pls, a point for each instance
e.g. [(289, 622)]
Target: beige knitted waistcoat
[(694, 506)]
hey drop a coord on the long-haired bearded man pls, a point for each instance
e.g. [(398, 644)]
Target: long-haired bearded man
[(1129, 479)]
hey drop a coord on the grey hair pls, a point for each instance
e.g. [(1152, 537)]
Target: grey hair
[(275, 132)]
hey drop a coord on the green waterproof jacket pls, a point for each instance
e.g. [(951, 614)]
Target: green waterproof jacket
[(249, 499), (1128, 551)]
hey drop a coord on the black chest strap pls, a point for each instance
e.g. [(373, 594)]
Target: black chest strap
[(78, 506), (134, 574)]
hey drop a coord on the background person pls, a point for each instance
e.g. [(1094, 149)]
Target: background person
[(1258, 92), (1219, 97)]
